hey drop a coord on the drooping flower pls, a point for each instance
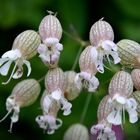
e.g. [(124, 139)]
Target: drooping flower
[(55, 85), (129, 51), (50, 31), (103, 130), (88, 70), (50, 107), (101, 38), (24, 48), (71, 91), (76, 132), (120, 89), (24, 94)]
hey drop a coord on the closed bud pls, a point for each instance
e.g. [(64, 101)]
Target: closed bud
[(50, 107), (55, 85), (50, 31), (136, 78), (120, 89), (71, 91), (24, 47), (128, 51), (76, 132), (24, 94), (101, 31), (88, 70), (136, 96)]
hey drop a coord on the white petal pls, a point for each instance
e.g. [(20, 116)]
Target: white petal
[(121, 100), (133, 116), (12, 54), (99, 66), (115, 117), (59, 46), (94, 53), (5, 68), (108, 45), (45, 58), (51, 41), (3, 60), (115, 57), (56, 94), (54, 57), (58, 123), (27, 63), (46, 103), (77, 81), (93, 84), (18, 74), (42, 49)]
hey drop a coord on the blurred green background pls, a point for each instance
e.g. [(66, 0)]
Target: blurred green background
[(19, 15)]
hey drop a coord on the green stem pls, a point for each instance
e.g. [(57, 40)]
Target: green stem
[(87, 102)]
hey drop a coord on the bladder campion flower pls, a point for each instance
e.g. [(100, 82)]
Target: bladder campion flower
[(55, 85), (24, 47), (101, 38), (120, 89), (88, 70), (50, 107), (24, 94), (103, 130), (50, 31)]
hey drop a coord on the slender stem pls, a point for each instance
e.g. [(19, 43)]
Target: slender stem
[(41, 79), (77, 58), (88, 99)]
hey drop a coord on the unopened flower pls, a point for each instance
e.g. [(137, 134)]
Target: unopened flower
[(50, 107), (24, 94), (120, 89), (24, 47), (76, 132), (128, 51), (50, 31), (88, 70), (103, 130), (136, 78), (55, 85), (101, 38), (71, 91)]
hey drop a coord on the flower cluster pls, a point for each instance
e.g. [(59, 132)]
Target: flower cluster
[(62, 87)]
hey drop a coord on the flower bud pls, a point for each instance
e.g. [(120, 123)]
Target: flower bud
[(128, 51), (24, 94), (136, 96), (50, 27), (136, 78), (76, 132), (55, 85), (101, 31), (27, 42), (72, 91)]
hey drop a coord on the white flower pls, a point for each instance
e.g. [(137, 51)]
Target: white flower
[(48, 123), (6, 61), (50, 50), (11, 106), (105, 48), (66, 106), (90, 81), (120, 104)]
